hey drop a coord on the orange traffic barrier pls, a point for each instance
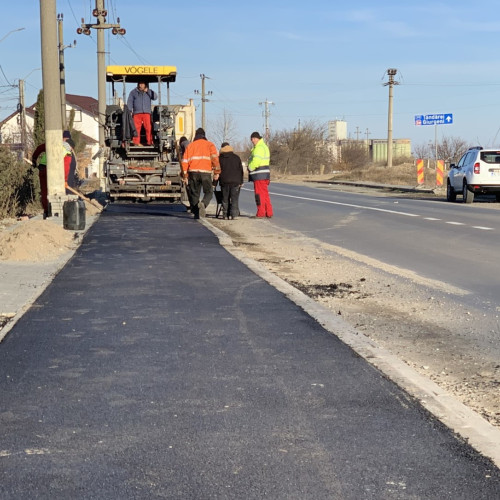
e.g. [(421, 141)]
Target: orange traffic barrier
[(439, 172), (420, 171)]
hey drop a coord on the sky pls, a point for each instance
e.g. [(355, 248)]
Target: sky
[(315, 61)]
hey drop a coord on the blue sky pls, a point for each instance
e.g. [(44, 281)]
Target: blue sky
[(317, 60)]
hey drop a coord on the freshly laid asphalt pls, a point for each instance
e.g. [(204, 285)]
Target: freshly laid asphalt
[(157, 365)]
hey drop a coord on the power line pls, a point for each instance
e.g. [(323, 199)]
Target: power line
[(72, 11), (6, 79), (127, 44)]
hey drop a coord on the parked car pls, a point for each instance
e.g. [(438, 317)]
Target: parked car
[(477, 172)]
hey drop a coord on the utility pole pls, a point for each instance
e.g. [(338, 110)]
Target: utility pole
[(52, 105), (21, 108), (357, 134), (436, 142), (62, 76), (367, 132), (22, 114), (267, 114), (100, 13), (392, 73), (203, 99)]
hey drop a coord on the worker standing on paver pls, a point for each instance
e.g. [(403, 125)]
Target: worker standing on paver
[(139, 103)]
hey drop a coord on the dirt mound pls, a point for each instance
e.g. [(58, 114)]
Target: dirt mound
[(36, 241)]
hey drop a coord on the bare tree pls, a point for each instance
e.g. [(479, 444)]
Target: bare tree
[(354, 155), (223, 129), (300, 151), (422, 151), (450, 149)]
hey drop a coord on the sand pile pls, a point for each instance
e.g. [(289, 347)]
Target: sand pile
[(36, 241)]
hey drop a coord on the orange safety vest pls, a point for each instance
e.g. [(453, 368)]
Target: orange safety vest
[(200, 156)]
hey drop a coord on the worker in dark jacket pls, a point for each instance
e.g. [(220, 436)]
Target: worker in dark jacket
[(139, 103), (230, 180), (70, 172)]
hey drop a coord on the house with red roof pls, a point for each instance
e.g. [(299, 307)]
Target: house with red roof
[(83, 110)]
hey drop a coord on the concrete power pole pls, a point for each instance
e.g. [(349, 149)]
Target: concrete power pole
[(203, 100), (392, 73), (100, 13), (267, 114), (62, 75), (22, 114), (52, 105)]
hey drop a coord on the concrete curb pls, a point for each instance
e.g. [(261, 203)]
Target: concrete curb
[(476, 430), (373, 185)]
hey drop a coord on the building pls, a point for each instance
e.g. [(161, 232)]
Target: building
[(377, 148), (337, 130), (82, 110), (401, 148)]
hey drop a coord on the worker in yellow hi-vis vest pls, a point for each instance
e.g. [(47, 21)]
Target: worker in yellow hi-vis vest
[(39, 160)]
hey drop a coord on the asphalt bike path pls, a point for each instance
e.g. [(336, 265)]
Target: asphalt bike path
[(157, 365)]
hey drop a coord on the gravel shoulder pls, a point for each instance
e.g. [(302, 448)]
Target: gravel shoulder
[(398, 310)]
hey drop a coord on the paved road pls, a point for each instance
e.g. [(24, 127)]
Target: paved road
[(158, 366)]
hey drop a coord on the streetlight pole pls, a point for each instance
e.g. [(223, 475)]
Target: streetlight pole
[(12, 31), (436, 143)]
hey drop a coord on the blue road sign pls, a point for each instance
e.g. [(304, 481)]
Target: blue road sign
[(436, 119)]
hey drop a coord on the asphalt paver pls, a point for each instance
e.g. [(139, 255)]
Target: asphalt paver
[(157, 365)]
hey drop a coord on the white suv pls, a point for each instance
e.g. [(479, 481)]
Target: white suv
[(478, 171)]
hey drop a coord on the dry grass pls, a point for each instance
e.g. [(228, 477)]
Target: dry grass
[(404, 174), (401, 175)]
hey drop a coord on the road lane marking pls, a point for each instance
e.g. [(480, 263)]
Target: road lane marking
[(363, 207), (347, 205)]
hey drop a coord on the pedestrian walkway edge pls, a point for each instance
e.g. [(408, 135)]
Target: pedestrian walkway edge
[(52, 268), (468, 424)]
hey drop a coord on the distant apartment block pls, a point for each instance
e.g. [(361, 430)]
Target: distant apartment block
[(337, 130), (377, 148)]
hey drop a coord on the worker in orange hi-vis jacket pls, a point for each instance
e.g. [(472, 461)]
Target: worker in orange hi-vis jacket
[(200, 166)]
